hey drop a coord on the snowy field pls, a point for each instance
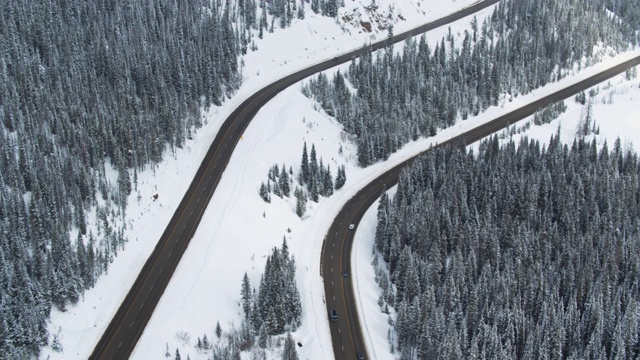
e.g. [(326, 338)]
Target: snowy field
[(238, 229)]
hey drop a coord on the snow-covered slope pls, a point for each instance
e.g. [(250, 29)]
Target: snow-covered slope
[(312, 40), (239, 229)]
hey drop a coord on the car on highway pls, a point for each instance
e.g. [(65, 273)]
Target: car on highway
[(360, 355), (352, 226), (335, 58), (345, 274), (333, 315)]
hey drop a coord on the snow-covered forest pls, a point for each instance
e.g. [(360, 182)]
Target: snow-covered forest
[(518, 251), (94, 93), (91, 93), (522, 46)]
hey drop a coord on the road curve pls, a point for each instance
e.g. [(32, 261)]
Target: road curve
[(121, 335), (336, 256)]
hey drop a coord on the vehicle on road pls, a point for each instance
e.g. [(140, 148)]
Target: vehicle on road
[(345, 274), (360, 355), (333, 316), (352, 226), (335, 58)]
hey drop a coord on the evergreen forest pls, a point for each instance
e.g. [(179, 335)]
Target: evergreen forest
[(91, 94), (520, 251), (522, 46)]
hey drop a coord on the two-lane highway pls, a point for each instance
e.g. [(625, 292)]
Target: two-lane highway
[(346, 333)]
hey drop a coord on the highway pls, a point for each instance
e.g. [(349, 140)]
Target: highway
[(121, 335), (346, 334)]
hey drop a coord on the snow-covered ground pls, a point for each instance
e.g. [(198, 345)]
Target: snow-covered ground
[(239, 229)]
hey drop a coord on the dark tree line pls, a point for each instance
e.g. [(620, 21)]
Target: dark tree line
[(523, 45), (518, 251)]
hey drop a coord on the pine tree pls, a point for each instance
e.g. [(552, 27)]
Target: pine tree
[(284, 182), (245, 294), (301, 201), (304, 166), (205, 342), (314, 195), (264, 193), (289, 352), (313, 170), (327, 183), (262, 337), (341, 177)]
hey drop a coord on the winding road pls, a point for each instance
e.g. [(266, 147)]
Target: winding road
[(121, 335), (346, 334)]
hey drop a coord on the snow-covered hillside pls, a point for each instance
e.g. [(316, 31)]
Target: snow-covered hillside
[(311, 40), (239, 230)]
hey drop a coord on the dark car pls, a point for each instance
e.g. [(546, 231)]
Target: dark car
[(345, 274), (360, 355), (333, 316), (335, 58)]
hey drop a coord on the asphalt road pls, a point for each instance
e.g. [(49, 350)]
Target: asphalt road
[(346, 334), (121, 335)]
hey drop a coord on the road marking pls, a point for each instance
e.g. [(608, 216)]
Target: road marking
[(342, 346), (331, 282), (141, 306), (338, 330), (334, 245), (331, 269), (334, 298), (198, 200), (119, 344), (130, 325)]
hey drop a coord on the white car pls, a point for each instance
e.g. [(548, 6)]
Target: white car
[(352, 226)]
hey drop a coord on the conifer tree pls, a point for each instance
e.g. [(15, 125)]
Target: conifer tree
[(264, 193), (304, 166), (246, 297), (341, 177), (301, 201), (284, 182), (313, 168), (289, 352)]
